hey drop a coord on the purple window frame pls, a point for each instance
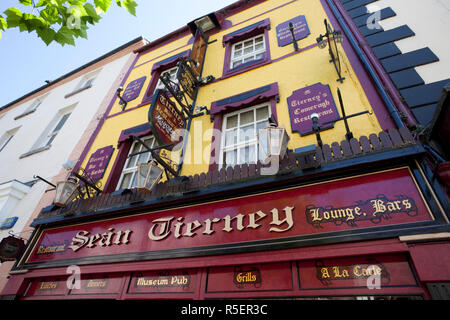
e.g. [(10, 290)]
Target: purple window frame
[(219, 109), (261, 27), (158, 68)]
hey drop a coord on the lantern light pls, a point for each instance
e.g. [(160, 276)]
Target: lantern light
[(66, 191), (148, 175), (273, 141)]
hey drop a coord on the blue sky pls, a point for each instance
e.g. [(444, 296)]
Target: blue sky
[(26, 62)]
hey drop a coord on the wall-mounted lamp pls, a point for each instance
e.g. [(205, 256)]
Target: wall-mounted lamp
[(316, 128), (332, 37), (273, 141), (122, 100), (148, 175)]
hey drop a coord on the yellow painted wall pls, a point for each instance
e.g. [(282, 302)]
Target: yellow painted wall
[(292, 73)]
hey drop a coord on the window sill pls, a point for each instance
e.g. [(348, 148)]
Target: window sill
[(246, 67), (24, 114), (77, 91), (38, 150)]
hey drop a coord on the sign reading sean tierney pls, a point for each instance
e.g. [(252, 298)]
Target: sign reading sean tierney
[(306, 101), (373, 200), (166, 121)]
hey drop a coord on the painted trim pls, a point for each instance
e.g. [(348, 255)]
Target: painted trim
[(102, 121), (384, 85)]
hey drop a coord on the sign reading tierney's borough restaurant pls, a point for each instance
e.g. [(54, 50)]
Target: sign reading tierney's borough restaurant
[(306, 101), (372, 200)]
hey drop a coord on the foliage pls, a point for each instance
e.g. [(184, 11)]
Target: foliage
[(60, 20)]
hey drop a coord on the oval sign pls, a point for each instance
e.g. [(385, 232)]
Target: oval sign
[(166, 121)]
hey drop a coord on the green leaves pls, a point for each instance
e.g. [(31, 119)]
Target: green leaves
[(61, 21)]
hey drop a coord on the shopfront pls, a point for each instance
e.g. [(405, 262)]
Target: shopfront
[(338, 239)]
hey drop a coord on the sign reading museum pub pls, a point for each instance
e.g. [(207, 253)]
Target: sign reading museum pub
[(166, 121), (372, 200)]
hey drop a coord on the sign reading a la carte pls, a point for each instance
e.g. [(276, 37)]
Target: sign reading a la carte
[(166, 121), (373, 200), (313, 99), (301, 31)]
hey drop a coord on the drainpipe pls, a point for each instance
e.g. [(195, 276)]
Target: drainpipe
[(384, 85)]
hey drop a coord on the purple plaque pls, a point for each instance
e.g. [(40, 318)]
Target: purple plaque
[(98, 162), (301, 31), (133, 89), (313, 99)]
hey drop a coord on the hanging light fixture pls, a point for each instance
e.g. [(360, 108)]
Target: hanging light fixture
[(148, 175), (273, 141), (66, 191)]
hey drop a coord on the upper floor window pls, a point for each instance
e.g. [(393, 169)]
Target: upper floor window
[(172, 75), (128, 178), (54, 132), (86, 82), (248, 50), (240, 135), (32, 107), (6, 138)]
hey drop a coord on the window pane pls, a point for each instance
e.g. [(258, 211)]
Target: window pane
[(262, 113), (248, 50), (247, 117), (237, 64), (61, 122), (134, 183), (259, 46), (230, 158), (238, 53), (259, 39), (259, 56), (247, 133), (231, 138), (126, 181), (238, 46), (248, 43), (232, 122)]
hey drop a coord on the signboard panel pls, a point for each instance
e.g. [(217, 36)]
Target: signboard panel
[(133, 89), (372, 200), (166, 121), (306, 101), (98, 162), (359, 272), (301, 31), (266, 277), (181, 281)]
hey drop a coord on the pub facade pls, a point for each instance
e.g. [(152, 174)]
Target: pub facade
[(183, 192)]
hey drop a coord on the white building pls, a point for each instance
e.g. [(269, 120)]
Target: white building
[(42, 130)]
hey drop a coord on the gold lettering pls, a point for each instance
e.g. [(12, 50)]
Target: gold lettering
[(287, 220), (239, 223), (407, 204), (79, 241), (325, 273), (252, 219), (164, 229), (315, 214), (379, 206)]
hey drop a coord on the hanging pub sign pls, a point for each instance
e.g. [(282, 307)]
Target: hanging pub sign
[(187, 78), (166, 121), (10, 248), (199, 51), (98, 162), (133, 90), (301, 31), (307, 101)]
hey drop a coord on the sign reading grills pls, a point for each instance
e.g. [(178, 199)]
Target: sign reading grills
[(373, 200), (166, 121)]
